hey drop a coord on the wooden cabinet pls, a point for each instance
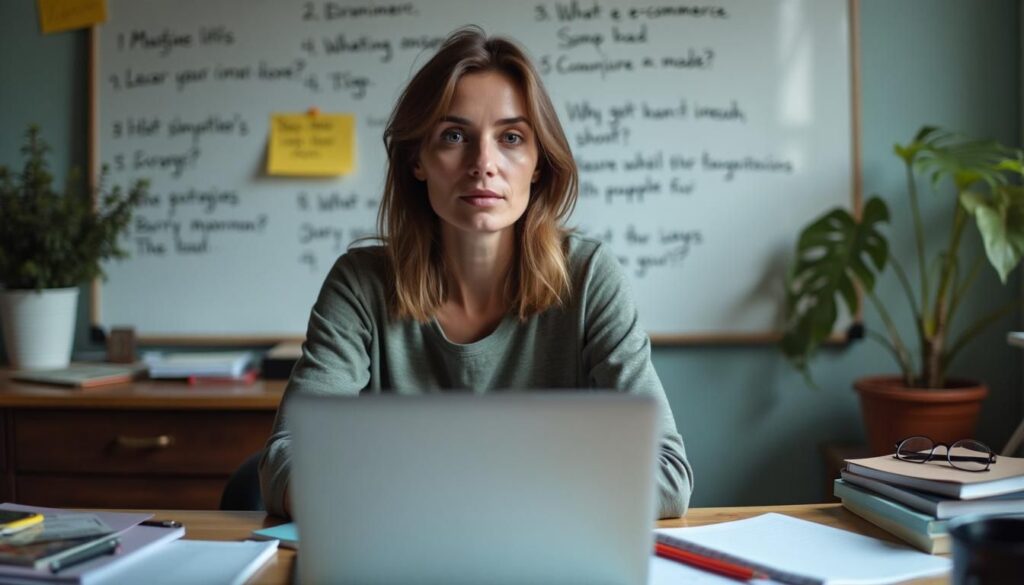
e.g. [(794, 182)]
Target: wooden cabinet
[(154, 445)]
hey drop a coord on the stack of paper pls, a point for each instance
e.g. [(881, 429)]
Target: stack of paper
[(226, 364)]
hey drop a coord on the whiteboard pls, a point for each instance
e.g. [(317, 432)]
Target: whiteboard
[(706, 134)]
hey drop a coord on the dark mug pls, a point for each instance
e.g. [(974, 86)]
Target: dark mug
[(988, 550)]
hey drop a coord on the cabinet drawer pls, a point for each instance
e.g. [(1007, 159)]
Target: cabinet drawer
[(3, 440), (137, 442), (120, 492)]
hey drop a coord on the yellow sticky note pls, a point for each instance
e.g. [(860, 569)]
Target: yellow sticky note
[(311, 144), (60, 15)]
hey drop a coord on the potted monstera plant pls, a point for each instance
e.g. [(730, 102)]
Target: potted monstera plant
[(840, 256), (50, 243)]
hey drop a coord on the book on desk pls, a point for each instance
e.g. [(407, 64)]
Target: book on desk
[(938, 506), (1004, 476), (923, 531), (83, 375)]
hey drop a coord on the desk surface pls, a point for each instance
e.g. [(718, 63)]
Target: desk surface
[(238, 525), (148, 394)]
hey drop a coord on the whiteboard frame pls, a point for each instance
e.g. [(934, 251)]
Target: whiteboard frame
[(697, 338)]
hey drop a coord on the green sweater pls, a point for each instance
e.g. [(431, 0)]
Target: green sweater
[(594, 341)]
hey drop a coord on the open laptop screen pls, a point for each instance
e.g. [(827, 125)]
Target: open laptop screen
[(541, 487)]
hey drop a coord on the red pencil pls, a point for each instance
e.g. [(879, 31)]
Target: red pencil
[(709, 564)]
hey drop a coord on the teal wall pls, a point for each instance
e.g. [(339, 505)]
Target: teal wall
[(751, 426)]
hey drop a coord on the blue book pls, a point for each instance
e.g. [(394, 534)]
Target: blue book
[(916, 528), (912, 519), (286, 533)]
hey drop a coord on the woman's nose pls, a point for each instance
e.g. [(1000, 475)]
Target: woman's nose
[(482, 161)]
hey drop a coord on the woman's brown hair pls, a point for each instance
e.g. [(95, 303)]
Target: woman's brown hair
[(408, 225)]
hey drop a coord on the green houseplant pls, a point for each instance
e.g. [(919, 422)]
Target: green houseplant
[(50, 243), (840, 256)]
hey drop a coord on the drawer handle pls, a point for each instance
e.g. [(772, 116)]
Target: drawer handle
[(157, 442)]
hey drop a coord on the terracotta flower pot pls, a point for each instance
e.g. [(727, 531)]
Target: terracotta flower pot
[(893, 412)]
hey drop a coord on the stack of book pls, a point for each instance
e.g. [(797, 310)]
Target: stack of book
[(914, 501), (218, 366)]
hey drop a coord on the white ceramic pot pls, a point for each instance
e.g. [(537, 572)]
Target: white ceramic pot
[(39, 327)]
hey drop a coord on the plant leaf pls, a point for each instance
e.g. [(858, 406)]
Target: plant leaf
[(834, 254), (1001, 223), (940, 154), (909, 151)]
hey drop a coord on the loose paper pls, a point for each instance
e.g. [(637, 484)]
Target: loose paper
[(311, 144), (61, 15)]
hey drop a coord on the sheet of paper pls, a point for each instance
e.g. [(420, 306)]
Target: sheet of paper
[(61, 15), (817, 553), (311, 144), (198, 562)]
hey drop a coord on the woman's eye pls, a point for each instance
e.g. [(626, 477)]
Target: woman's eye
[(452, 136), (512, 138)]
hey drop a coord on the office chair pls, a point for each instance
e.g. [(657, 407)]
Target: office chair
[(242, 491)]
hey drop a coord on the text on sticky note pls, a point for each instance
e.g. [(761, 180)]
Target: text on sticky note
[(311, 144)]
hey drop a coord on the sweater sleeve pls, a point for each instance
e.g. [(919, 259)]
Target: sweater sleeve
[(335, 361), (617, 354)]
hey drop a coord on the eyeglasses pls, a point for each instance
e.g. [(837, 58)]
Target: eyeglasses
[(965, 454)]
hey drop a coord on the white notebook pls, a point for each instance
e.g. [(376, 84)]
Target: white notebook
[(799, 552)]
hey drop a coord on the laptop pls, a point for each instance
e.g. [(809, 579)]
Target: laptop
[(517, 488)]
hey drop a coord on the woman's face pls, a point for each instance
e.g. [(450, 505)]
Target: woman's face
[(480, 160)]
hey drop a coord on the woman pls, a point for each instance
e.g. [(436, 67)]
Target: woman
[(477, 286)]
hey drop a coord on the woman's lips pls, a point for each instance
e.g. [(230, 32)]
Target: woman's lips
[(482, 198)]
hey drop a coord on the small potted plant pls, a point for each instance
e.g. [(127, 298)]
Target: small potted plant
[(839, 256), (50, 243)]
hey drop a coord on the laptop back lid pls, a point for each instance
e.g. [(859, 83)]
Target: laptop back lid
[(461, 488)]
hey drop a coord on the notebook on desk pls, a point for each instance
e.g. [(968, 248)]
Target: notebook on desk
[(507, 488)]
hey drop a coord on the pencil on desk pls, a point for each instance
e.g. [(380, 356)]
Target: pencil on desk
[(707, 563)]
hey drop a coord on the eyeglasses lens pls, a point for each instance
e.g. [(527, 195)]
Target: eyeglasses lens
[(970, 455), (917, 449)]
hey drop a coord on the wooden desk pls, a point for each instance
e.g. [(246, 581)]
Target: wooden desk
[(146, 444), (238, 525)]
